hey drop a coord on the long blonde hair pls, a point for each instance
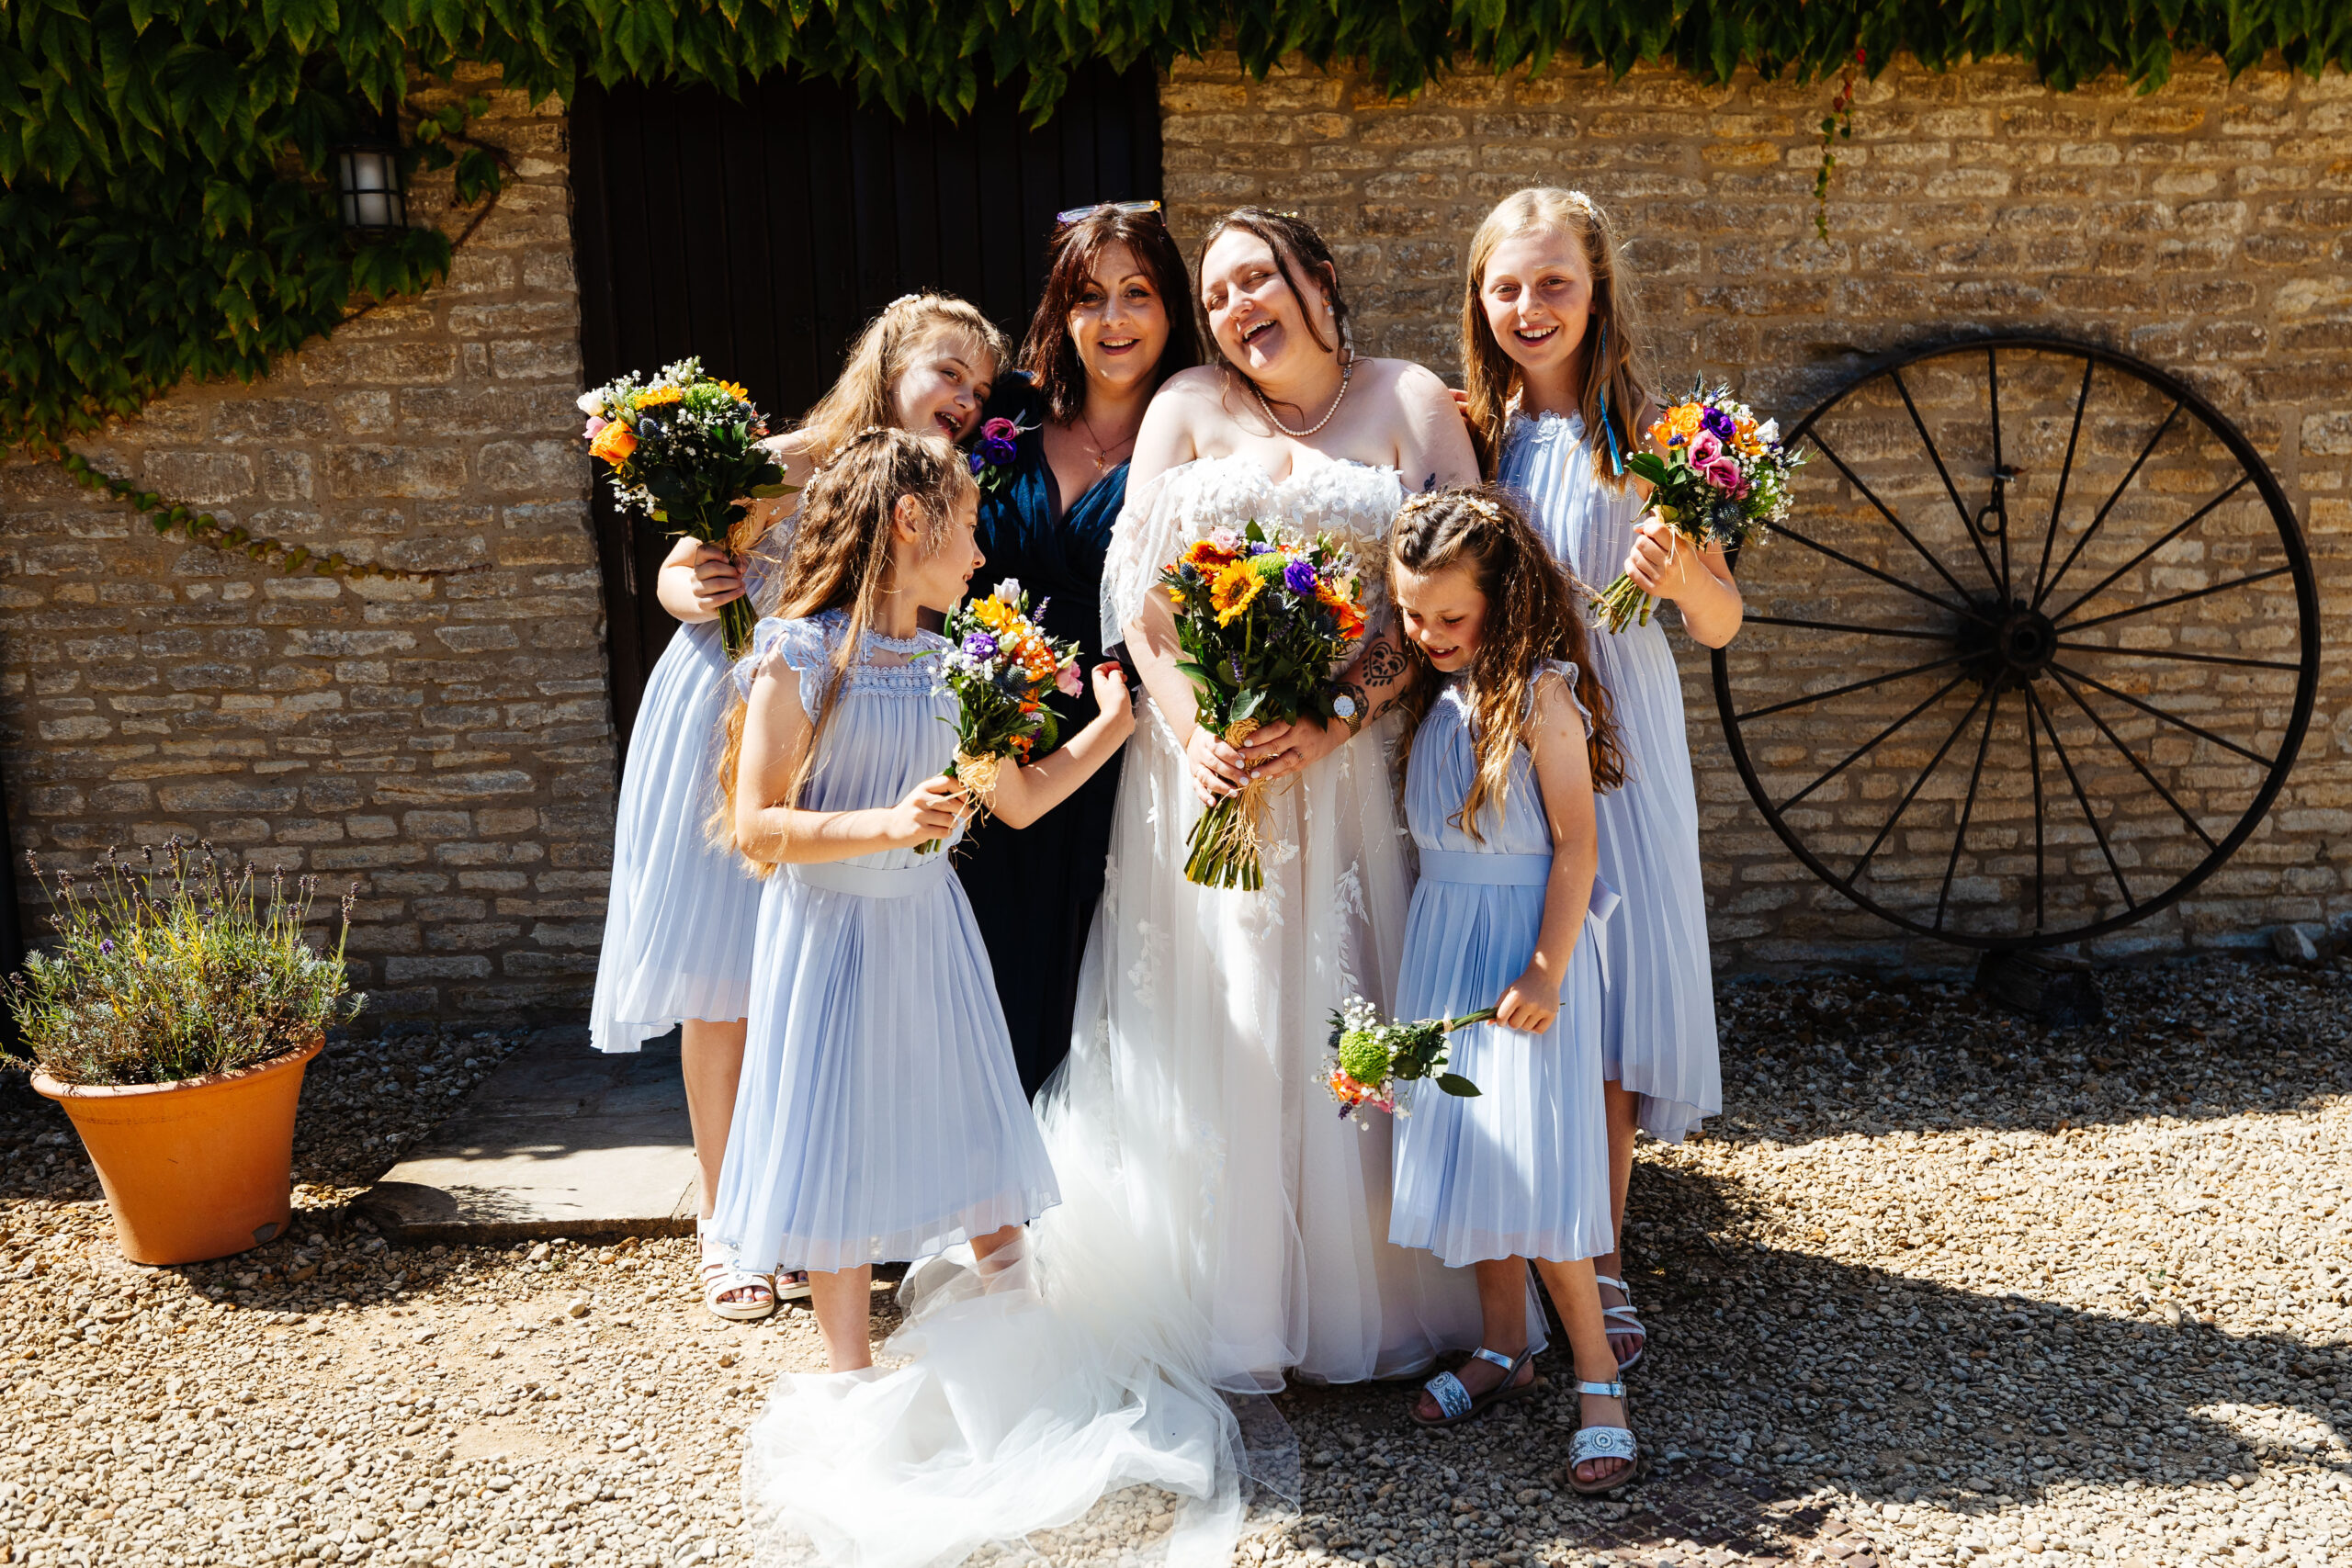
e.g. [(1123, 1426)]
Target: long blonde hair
[(859, 399), (1530, 615), (841, 560), (1615, 398)]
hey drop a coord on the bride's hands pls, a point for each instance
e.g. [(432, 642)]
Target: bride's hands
[(1280, 749), (1215, 769)]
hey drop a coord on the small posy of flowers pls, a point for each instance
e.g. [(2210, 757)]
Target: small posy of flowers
[(1263, 618), (1370, 1056), (1001, 664), (680, 451), (995, 448), (1723, 481)]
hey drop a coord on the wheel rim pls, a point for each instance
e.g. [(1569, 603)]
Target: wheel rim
[(2035, 654)]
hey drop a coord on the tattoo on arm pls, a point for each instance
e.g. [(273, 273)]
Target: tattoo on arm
[(1388, 708), (1383, 662)]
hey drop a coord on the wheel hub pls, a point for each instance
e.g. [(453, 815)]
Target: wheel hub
[(2012, 643)]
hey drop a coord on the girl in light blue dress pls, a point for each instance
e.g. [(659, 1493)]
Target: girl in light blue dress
[(1555, 394), (880, 1117), (1510, 739)]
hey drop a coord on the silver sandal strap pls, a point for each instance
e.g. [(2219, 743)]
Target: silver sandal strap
[(1600, 1442), (1497, 1359), (1603, 1390), (1452, 1400)]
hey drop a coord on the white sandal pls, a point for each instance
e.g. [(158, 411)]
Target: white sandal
[(721, 1279), (1601, 1442), (1620, 1320)]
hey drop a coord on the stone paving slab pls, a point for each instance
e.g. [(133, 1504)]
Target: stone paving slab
[(560, 1141)]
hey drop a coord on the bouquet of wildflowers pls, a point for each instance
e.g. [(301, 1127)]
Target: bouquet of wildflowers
[(1000, 669), (1262, 619), (1725, 478), (680, 450), (1374, 1054)]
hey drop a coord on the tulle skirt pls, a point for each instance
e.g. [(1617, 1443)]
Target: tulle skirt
[(680, 918), (1521, 1170), (879, 1117), (1657, 1012)]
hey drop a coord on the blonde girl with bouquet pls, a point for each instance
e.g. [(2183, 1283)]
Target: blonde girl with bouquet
[(1550, 342), (880, 1116), (678, 925), (1509, 735)]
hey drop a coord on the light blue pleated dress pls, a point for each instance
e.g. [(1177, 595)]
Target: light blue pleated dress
[(1521, 1170), (880, 1116), (679, 917), (1657, 1026)]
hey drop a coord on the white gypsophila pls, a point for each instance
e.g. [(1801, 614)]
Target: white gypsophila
[(1357, 1014)]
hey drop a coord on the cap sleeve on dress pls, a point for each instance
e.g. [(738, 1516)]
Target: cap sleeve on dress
[(1567, 671), (802, 645)]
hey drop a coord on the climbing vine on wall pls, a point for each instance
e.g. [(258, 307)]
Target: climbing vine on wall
[(166, 212)]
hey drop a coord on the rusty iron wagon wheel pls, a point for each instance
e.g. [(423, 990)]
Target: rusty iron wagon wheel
[(2036, 649)]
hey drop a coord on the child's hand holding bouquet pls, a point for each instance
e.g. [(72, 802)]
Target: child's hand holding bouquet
[(682, 451), (1000, 668), (1372, 1056), (1723, 481)]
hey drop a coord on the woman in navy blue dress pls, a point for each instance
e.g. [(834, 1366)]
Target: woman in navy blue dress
[(1115, 322)]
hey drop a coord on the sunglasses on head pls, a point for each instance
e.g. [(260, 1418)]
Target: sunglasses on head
[(1133, 208)]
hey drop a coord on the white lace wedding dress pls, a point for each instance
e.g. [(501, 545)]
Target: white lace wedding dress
[(1221, 1225)]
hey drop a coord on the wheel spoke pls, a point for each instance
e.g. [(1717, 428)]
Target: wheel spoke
[(2000, 491), (2033, 764), (1964, 611), (1842, 626), (2058, 503), (1967, 524), (2182, 658), (1924, 773), (2081, 799), (1841, 690), (1874, 742), (2154, 712), (1968, 808), (2181, 598), (2132, 757), (2193, 519), (1884, 511), (2125, 483)]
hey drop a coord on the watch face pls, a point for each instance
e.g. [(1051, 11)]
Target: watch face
[(1344, 706)]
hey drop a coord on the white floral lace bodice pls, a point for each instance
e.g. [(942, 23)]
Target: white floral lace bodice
[(1355, 502)]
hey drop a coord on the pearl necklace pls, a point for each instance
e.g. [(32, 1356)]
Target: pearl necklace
[(1347, 374)]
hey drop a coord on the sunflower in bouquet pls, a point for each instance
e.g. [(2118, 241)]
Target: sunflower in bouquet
[(680, 451), (1723, 481), (1001, 664), (1261, 617)]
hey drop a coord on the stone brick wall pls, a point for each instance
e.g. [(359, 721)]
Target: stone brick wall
[(2202, 227), (447, 746)]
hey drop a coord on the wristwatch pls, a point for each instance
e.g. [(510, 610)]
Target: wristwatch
[(1343, 708)]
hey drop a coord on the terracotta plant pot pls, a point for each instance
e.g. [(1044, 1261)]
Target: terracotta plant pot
[(196, 1169)]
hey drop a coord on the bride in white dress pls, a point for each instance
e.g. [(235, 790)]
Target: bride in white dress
[(1221, 1226)]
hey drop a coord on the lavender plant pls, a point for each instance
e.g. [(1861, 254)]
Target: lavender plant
[(174, 964)]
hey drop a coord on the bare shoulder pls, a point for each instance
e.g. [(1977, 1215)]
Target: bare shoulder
[(791, 452), (1409, 383)]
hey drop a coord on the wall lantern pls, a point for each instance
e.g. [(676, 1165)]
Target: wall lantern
[(368, 179)]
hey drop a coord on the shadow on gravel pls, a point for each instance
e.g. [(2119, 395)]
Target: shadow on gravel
[(1776, 1374), (2185, 1038)]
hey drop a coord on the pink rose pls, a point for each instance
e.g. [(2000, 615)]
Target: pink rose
[(1071, 681), (1724, 475), (596, 423), (1704, 449), (1225, 539)]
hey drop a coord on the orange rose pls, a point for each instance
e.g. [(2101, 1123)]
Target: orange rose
[(614, 443)]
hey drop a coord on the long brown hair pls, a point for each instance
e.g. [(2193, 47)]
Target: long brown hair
[(1049, 355), (841, 560), (1530, 615), (1615, 398), (1295, 244)]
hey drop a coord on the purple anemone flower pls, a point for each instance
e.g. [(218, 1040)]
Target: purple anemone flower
[(1260, 548), (1717, 424), (980, 645), (1299, 578)]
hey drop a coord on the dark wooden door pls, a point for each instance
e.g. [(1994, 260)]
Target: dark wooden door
[(762, 233)]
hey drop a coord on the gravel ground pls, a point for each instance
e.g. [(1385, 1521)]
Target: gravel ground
[(1941, 1288)]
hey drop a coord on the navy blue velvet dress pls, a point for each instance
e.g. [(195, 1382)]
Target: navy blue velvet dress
[(1033, 889)]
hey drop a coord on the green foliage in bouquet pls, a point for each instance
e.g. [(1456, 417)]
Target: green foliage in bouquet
[(1372, 1056), (175, 965)]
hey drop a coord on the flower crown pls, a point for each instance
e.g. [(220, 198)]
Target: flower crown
[(1483, 506)]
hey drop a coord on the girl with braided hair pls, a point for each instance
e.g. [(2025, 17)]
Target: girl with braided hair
[(679, 919)]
